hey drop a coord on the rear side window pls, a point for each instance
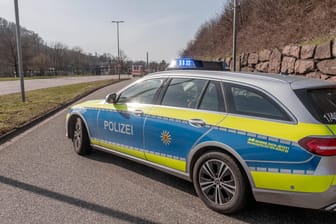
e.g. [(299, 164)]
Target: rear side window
[(213, 98), (248, 101), (321, 103), (183, 92)]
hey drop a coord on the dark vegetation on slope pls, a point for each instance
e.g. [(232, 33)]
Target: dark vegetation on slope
[(264, 24)]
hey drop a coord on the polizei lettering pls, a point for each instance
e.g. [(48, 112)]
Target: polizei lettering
[(125, 129)]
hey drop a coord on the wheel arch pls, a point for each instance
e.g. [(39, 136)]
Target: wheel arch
[(71, 123), (205, 147)]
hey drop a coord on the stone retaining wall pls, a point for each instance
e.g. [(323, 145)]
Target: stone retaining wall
[(315, 61)]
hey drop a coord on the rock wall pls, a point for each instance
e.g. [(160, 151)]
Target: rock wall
[(315, 61)]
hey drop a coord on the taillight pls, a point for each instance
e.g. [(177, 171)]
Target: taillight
[(319, 146)]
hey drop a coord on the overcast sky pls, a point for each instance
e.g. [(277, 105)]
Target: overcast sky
[(162, 28)]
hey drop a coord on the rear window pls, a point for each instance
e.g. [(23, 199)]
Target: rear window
[(248, 101), (321, 103)]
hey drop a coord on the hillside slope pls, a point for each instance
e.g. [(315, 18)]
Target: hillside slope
[(264, 24)]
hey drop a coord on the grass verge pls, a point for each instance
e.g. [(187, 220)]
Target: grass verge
[(41, 77), (14, 112)]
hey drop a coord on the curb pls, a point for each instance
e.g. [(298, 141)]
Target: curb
[(18, 130)]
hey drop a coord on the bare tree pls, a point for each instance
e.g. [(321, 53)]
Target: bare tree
[(41, 58), (8, 45), (77, 59), (58, 56), (41, 63), (263, 24), (8, 48)]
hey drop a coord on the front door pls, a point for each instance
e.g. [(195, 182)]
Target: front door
[(121, 125)]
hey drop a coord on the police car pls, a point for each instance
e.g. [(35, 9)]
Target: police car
[(236, 136)]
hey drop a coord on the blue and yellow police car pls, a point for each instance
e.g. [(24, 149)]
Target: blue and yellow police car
[(236, 136)]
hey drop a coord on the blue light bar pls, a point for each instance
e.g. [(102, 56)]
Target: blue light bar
[(185, 63), (192, 64), (182, 63)]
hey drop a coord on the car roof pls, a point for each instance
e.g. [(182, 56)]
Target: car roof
[(258, 79), (279, 87)]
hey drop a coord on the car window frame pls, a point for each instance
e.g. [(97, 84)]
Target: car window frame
[(289, 118)]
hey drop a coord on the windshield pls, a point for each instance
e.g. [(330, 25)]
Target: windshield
[(321, 103)]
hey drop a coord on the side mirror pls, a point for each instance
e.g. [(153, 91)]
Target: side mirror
[(111, 98)]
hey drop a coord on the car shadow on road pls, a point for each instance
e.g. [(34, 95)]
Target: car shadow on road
[(144, 170), (121, 215), (255, 213)]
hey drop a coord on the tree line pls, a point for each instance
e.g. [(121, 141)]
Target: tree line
[(41, 58)]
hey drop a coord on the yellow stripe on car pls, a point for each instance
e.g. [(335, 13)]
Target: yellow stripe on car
[(290, 132), (292, 182), (334, 181), (168, 162), (209, 117), (333, 128), (115, 147), (162, 160), (101, 105)]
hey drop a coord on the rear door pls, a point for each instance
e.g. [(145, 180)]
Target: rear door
[(188, 110)]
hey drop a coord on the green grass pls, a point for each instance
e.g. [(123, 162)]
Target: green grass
[(14, 112), (41, 77)]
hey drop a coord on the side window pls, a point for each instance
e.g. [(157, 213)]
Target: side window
[(142, 92), (249, 101), (183, 92), (213, 98)]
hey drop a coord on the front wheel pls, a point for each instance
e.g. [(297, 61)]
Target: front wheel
[(220, 183), (81, 141)]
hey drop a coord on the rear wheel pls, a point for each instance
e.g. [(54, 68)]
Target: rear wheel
[(81, 141), (220, 183)]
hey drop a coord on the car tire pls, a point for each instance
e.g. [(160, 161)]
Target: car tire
[(80, 140), (220, 183)]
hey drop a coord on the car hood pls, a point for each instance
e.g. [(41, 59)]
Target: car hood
[(90, 103)]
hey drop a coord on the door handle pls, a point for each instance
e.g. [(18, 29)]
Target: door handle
[(138, 112), (198, 123)]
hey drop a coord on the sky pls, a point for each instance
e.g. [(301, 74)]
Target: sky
[(161, 28)]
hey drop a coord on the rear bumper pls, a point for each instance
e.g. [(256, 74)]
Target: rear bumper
[(325, 200)]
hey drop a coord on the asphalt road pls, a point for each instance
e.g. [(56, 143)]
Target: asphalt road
[(42, 180), (8, 87)]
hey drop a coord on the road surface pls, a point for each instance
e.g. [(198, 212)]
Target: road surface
[(42, 180), (8, 87)]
